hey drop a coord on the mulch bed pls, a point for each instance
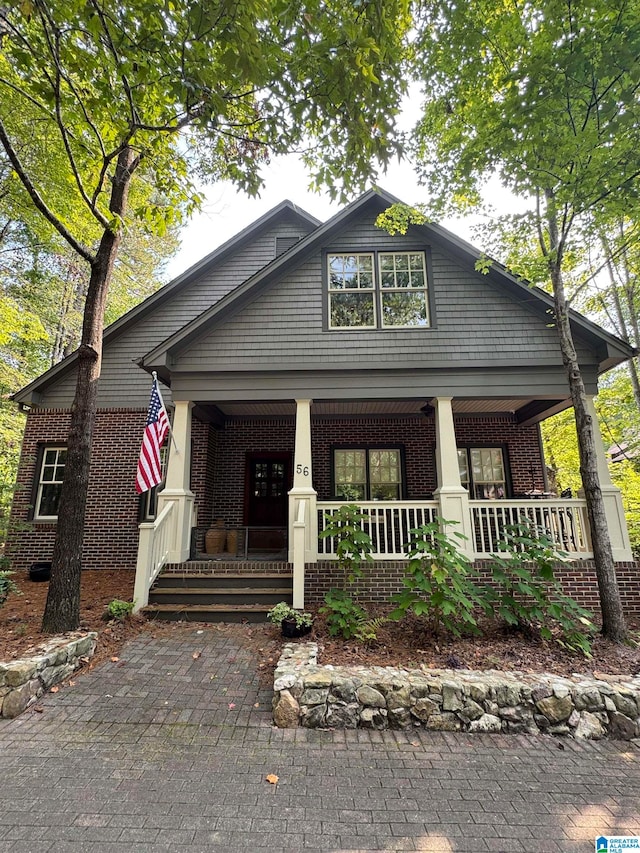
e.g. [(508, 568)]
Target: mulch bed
[(404, 644)]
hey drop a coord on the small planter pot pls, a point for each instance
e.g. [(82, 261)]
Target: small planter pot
[(40, 571), (291, 630)]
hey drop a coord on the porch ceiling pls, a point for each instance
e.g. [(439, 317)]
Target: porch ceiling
[(344, 408)]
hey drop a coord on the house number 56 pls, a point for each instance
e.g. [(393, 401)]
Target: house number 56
[(302, 469)]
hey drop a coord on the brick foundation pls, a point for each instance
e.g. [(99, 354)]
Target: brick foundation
[(383, 579)]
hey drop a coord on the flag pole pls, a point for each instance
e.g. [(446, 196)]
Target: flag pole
[(155, 379)]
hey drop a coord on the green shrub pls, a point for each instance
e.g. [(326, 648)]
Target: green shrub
[(345, 618), (7, 586), (120, 610), (528, 596), (353, 544), (282, 611), (438, 583), (353, 547)]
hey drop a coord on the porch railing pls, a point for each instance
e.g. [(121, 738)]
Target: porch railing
[(153, 549), (563, 521), (387, 523)]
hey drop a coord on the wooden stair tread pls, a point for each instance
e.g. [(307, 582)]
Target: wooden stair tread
[(205, 590)]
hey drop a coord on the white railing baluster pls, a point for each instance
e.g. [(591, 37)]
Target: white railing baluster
[(563, 521), (153, 549), (387, 522)]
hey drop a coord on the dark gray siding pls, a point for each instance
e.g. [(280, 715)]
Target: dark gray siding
[(379, 384), (474, 322), (122, 382)]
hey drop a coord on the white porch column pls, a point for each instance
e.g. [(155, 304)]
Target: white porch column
[(303, 490), (177, 484), (451, 494), (616, 521)]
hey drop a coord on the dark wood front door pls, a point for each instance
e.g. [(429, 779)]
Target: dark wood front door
[(268, 482)]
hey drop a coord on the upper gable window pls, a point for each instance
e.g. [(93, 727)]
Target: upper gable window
[(351, 292), (377, 290)]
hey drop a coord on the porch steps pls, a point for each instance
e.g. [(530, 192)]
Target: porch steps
[(211, 597)]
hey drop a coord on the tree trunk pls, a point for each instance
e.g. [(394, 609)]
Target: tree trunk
[(613, 623), (623, 331), (62, 611)]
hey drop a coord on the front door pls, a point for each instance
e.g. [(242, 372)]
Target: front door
[(268, 481)]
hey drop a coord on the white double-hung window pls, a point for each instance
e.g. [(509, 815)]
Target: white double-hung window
[(403, 289), (49, 487), (351, 292), (377, 290)]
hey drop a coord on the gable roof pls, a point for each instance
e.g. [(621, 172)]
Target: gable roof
[(286, 208), (611, 350)]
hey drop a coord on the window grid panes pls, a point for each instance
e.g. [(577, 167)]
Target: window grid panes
[(351, 291), (482, 472), (403, 289), (373, 474), (50, 482), (396, 293)]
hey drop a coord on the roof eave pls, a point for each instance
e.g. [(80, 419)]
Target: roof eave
[(30, 394), (253, 286)]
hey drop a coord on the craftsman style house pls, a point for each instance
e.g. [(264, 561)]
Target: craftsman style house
[(307, 365)]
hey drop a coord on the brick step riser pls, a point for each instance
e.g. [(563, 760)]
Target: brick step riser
[(250, 582), (219, 597)]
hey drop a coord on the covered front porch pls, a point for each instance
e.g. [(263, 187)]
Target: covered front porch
[(423, 478)]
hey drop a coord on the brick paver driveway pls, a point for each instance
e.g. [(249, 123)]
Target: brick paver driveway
[(166, 751)]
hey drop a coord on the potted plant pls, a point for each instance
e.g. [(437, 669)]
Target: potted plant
[(293, 623)]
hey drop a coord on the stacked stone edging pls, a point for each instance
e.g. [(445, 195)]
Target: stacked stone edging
[(25, 680), (315, 696)]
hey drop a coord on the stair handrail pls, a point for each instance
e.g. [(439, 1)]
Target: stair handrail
[(153, 550)]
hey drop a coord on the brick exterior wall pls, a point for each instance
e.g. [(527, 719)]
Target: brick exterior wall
[(111, 532), (383, 579), (219, 469)]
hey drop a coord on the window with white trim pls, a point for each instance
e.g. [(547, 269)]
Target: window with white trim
[(351, 292), (367, 474), (50, 477), (378, 290), (482, 472), (403, 289)]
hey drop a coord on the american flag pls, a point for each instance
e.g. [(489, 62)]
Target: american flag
[(149, 464)]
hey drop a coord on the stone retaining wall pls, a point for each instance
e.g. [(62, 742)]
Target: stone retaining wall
[(316, 696), (23, 681)]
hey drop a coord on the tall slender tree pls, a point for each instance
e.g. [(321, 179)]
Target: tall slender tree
[(546, 95), (165, 92)]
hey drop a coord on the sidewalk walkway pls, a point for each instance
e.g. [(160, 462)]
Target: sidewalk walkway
[(164, 751)]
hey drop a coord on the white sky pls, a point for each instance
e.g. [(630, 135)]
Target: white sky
[(228, 211)]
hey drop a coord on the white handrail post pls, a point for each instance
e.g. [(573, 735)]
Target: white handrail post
[(143, 565), (178, 481)]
